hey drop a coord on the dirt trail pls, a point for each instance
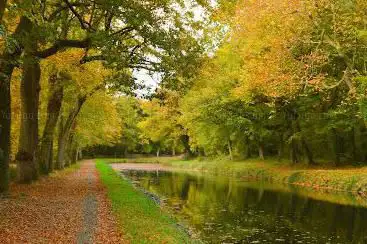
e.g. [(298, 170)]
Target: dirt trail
[(63, 208)]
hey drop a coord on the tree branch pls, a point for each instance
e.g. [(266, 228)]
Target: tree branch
[(84, 24), (61, 8), (87, 59), (123, 31), (60, 44)]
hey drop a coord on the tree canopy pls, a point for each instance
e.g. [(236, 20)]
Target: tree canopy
[(242, 79)]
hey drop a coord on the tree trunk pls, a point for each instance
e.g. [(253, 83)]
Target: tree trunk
[(158, 151), (305, 146), (2, 9), (126, 152), (336, 147), (5, 122), (76, 155), (80, 154), (247, 153), (71, 147), (354, 147), (60, 145), (30, 88), (280, 148), (64, 132), (53, 112), (51, 164), (308, 152), (28, 138), (73, 153), (230, 150), (7, 65), (261, 150), (294, 152), (185, 141), (362, 142)]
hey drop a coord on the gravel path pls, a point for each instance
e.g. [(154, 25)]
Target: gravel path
[(67, 207)]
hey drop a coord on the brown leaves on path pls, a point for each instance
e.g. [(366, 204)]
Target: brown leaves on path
[(53, 210)]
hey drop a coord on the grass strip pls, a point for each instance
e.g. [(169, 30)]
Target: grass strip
[(139, 217)]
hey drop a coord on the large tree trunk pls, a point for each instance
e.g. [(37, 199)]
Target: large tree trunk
[(28, 138), (5, 123), (30, 87), (7, 65), (53, 111)]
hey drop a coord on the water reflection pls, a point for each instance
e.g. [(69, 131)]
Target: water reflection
[(224, 210)]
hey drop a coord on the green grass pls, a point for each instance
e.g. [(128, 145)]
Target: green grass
[(139, 217)]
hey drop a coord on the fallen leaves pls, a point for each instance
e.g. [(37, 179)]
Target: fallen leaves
[(51, 210)]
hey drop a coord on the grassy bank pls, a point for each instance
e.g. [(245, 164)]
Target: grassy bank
[(350, 179), (140, 219), (345, 179)]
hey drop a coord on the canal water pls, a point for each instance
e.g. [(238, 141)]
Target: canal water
[(224, 210)]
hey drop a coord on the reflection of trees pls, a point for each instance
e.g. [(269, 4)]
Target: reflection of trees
[(223, 200)]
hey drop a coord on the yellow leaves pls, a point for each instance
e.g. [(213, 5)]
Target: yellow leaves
[(99, 121), (161, 123), (66, 60), (262, 35), (84, 76)]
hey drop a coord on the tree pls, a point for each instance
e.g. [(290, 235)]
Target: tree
[(108, 31), (159, 125), (286, 79), (131, 114)]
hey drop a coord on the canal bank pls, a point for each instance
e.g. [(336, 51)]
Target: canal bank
[(352, 179), (222, 209)]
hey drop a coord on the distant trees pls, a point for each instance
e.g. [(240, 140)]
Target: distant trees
[(160, 125), (288, 81)]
